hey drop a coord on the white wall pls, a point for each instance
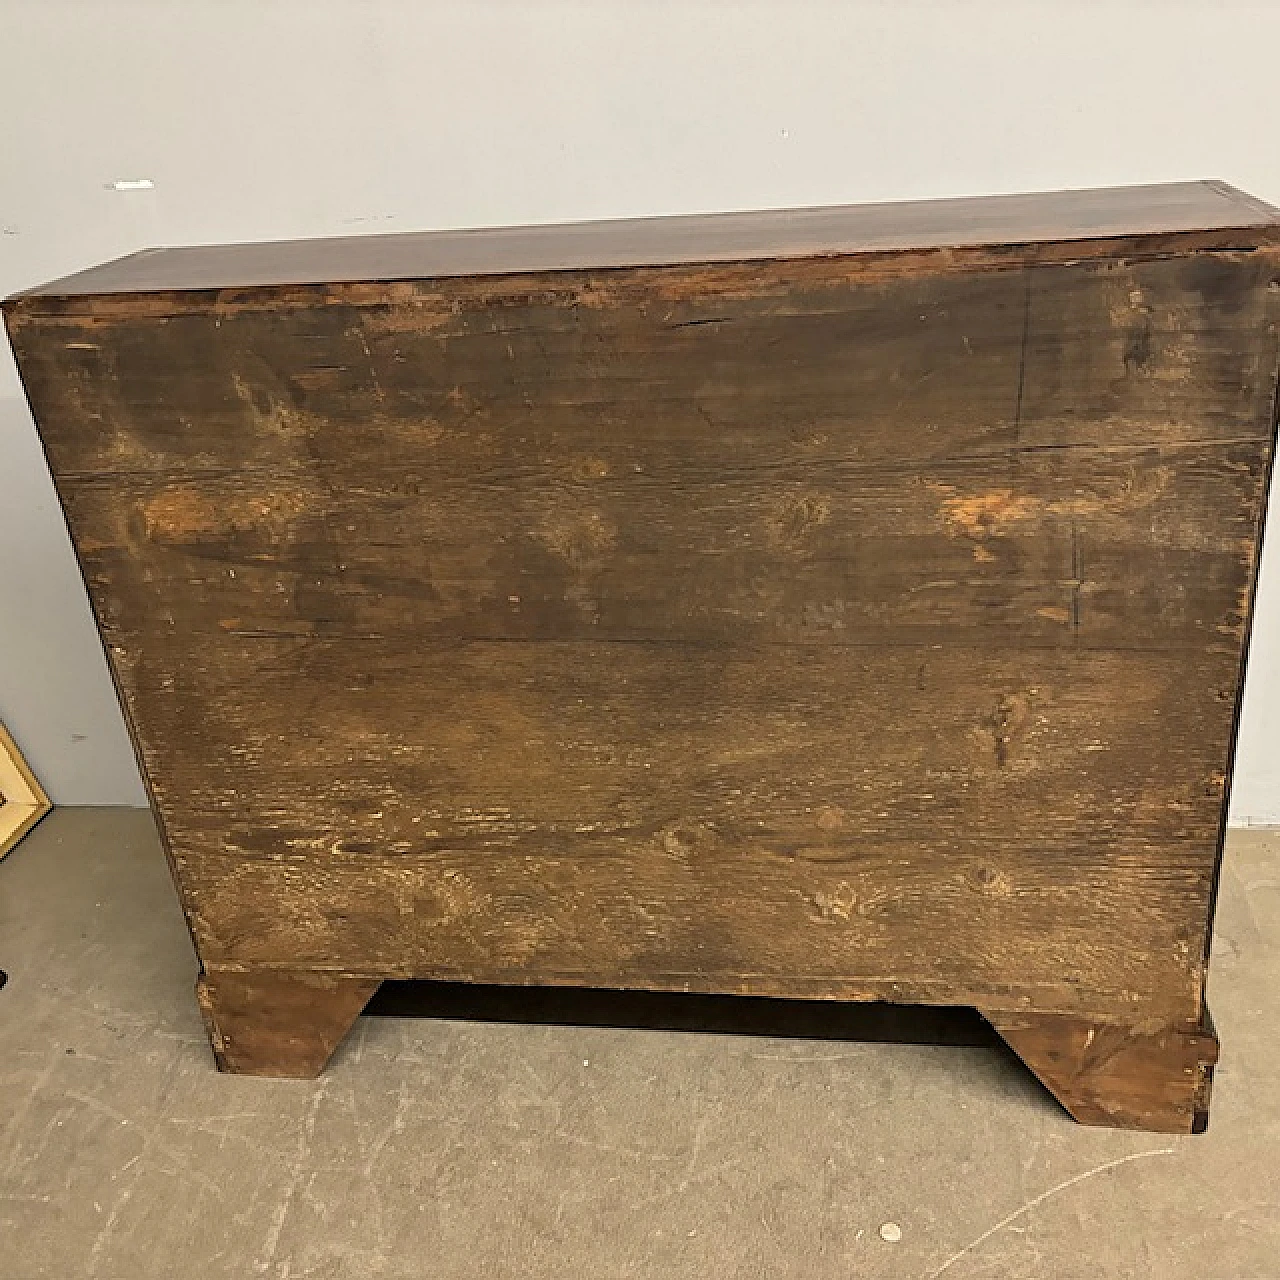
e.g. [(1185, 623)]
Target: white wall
[(311, 117)]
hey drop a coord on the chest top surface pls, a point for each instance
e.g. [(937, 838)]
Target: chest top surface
[(1121, 213)]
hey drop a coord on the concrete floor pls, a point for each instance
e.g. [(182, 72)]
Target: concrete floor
[(448, 1148)]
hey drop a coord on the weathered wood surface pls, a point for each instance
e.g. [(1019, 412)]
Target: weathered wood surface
[(1128, 1076), (277, 1023), (845, 465), (866, 627), (904, 824)]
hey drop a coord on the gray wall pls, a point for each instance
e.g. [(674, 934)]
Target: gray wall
[(313, 117)]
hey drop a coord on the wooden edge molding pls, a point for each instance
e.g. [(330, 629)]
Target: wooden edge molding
[(273, 1022), (1143, 1076), (22, 799)]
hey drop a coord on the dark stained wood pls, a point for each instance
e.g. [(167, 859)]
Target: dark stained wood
[(277, 1023), (721, 237), (606, 487), (1123, 1075), (864, 627)]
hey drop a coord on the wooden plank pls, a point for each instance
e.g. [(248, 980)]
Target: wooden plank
[(1049, 549), (904, 820), (844, 466), (279, 1024), (1158, 209), (1131, 1076), (762, 366)]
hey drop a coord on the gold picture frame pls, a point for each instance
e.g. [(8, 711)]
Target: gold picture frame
[(22, 799)]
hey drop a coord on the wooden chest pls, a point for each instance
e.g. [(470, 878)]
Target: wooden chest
[(843, 603)]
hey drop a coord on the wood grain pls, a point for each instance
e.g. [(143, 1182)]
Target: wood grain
[(857, 627), (884, 821), (1128, 1076), (632, 476), (277, 1023)]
